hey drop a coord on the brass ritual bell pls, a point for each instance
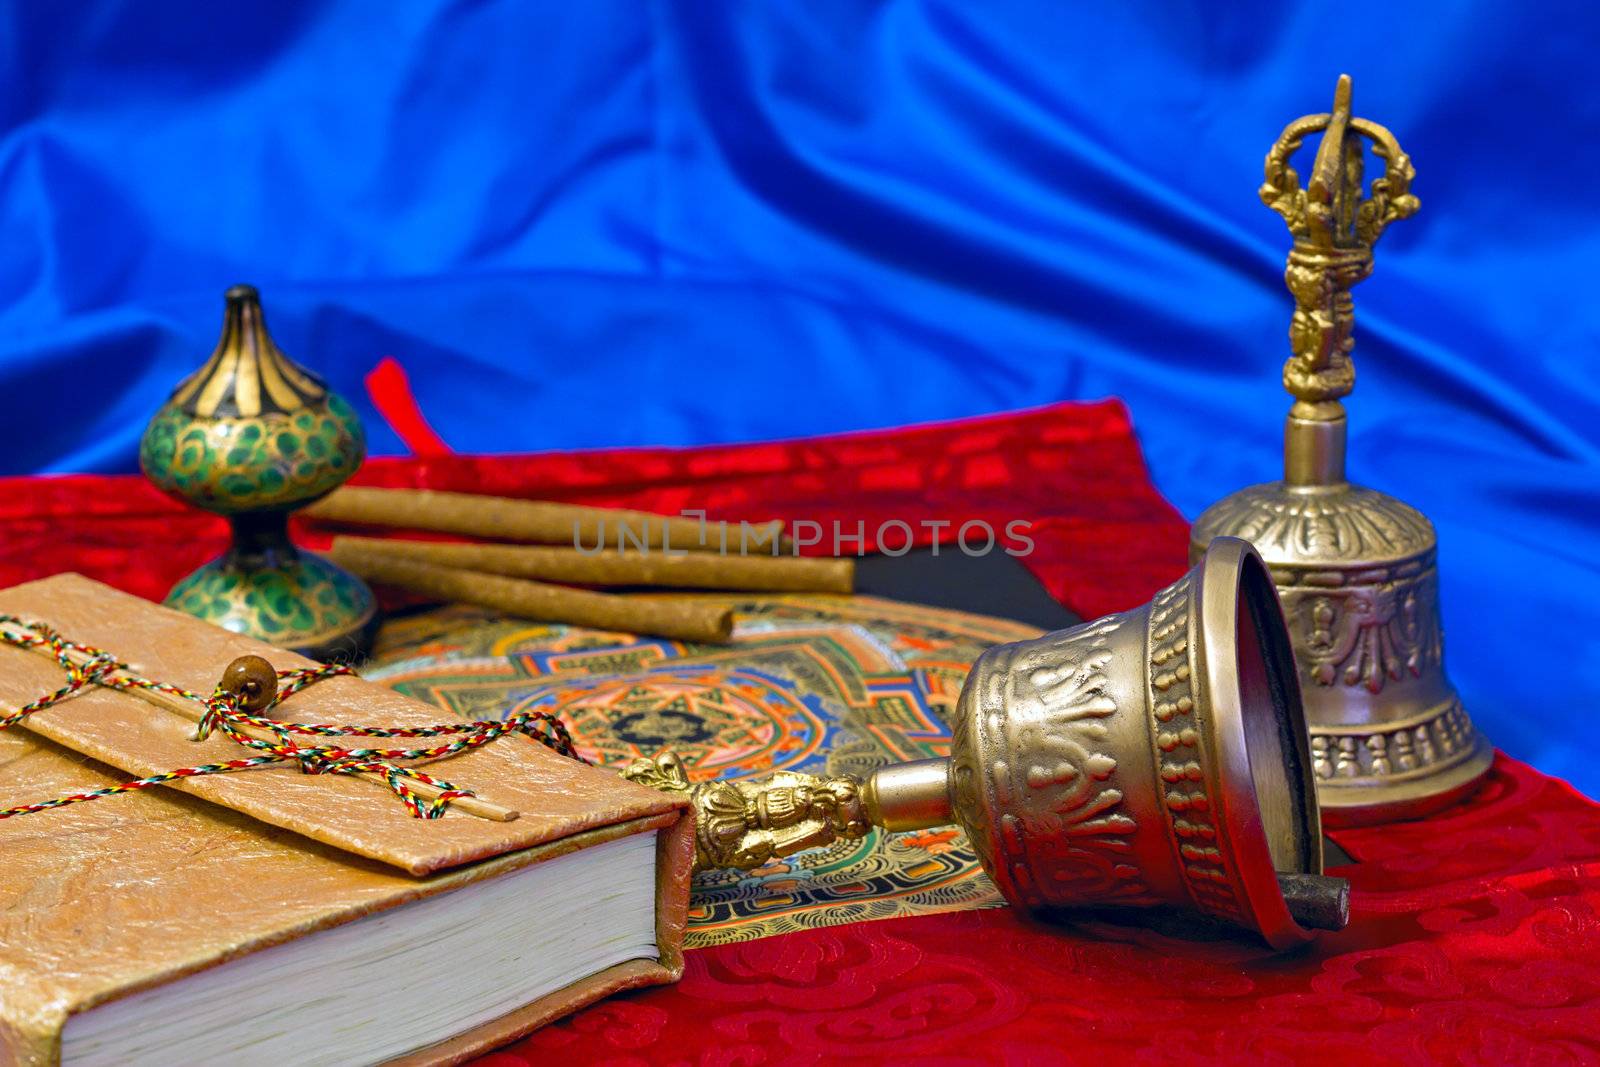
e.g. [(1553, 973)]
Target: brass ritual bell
[(1355, 568), (1155, 758)]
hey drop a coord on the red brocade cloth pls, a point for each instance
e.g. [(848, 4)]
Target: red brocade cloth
[(1475, 934), (1104, 539), (1474, 938)]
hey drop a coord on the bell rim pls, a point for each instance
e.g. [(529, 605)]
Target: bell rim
[(1223, 595)]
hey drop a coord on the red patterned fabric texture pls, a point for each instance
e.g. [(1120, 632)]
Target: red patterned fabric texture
[(1475, 934), (1104, 539)]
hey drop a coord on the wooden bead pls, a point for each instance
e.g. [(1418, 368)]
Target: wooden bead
[(253, 680)]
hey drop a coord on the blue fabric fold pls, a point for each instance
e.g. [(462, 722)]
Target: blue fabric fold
[(641, 221)]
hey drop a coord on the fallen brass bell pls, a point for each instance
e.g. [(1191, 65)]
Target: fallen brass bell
[(1155, 758)]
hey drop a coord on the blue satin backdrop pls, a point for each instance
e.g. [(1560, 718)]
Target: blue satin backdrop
[(638, 221)]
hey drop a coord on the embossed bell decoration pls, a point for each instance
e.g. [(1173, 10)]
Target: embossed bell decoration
[(1355, 568), (1148, 759), (253, 435)]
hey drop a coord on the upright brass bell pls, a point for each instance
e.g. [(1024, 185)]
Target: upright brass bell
[(1355, 568), (1152, 758)]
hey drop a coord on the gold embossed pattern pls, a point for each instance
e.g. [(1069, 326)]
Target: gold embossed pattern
[(1065, 833), (1317, 529)]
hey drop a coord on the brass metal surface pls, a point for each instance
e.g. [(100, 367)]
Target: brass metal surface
[(745, 825), (910, 796), (1155, 758), (1355, 568)]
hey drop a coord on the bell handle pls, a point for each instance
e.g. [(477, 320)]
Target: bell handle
[(1335, 223), (743, 825), (910, 796)]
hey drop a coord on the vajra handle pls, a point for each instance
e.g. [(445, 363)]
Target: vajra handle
[(744, 825), (1335, 223)]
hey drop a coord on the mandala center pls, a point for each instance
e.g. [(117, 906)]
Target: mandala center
[(719, 721), (661, 727)]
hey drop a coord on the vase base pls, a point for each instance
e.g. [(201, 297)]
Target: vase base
[(304, 604)]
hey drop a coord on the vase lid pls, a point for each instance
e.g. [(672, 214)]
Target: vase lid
[(247, 374)]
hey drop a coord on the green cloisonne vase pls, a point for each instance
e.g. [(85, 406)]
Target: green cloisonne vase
[(252, 435)]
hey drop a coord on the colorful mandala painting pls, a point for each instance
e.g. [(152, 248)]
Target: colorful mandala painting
[(821, 684)]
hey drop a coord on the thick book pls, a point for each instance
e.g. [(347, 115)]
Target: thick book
[(274, 917)]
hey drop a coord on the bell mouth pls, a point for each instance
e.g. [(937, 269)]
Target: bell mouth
[(1268, 806)]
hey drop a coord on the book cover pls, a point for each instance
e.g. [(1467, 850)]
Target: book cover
[(105, 900)]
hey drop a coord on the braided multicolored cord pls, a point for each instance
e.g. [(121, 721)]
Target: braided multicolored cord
[(100, 668)]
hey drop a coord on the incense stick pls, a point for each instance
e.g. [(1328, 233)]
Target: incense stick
[(497, 518), (681, 618), (690, 570)]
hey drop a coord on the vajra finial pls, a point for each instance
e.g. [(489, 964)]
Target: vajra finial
[(747, 824), (1334, 230)]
